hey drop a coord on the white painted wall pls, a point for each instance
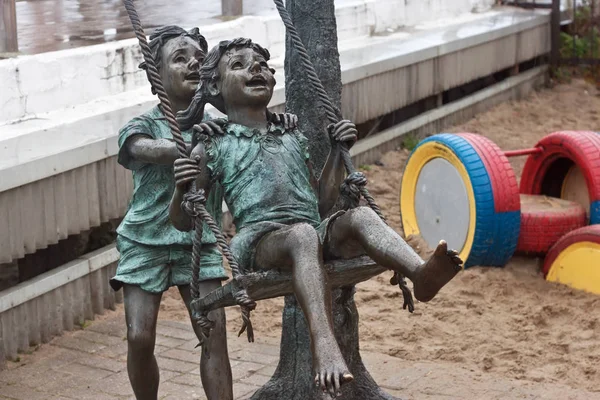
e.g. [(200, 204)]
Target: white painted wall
[(33, 85), (406, 13), (262, 6)]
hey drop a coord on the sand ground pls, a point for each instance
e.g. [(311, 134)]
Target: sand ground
[(506, 321)]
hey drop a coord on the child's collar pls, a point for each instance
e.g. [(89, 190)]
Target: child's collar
[(241, 130)]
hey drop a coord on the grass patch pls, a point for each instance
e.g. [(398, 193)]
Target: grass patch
[(84, 323), (410, 142)]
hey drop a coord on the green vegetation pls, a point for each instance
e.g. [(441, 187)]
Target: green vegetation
[(84, 323), (581, 41), (410, 142)]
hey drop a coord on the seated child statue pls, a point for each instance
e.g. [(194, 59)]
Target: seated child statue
[(281, 212)]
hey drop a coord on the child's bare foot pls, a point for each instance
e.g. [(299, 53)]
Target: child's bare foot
[(443, 265), (330, 369)]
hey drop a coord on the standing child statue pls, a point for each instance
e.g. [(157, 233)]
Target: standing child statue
[(153, 254), (283, 215)]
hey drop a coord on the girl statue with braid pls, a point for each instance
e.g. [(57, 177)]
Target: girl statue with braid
[(285, 217), (153, 254)]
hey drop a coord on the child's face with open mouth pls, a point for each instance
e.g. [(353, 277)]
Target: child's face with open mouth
[(245, 78), (182, 58)]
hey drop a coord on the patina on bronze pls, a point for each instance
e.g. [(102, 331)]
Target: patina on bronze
[(153, 256), (286, 219), (146, 268)]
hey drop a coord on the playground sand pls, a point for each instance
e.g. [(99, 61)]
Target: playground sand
[(506, 321)]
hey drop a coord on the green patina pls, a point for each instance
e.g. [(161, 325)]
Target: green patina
[(155, 255), (249, 164), (246, 162)]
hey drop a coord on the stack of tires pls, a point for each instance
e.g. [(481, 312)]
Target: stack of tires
[(461, 188)]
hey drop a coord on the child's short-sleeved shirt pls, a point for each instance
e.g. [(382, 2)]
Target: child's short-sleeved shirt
[(264, 176), (147, 218)]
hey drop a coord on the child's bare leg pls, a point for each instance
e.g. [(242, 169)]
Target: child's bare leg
[(363, 227), (141, 312), (298, 248), (215, 371)]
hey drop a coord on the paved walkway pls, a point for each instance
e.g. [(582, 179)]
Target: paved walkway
[(89, 364)]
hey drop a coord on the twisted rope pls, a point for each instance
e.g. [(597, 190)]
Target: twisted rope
[(332, 112), (357, 178), (334, 115), (154, 77), (194, 204), (193, 200)]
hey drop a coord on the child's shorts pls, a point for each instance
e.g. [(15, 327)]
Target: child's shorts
[(156, 268)]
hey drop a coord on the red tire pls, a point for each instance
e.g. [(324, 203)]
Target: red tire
[(573, 260), (544, 220), (466, 179), (546, 172), (502, 175)]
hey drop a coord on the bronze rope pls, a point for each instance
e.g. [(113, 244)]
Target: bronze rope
[(194, 200), (334, 115)]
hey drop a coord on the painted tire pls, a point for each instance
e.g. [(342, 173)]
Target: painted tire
[(461, 188), (574, 260), (544, 220), (569, 160)]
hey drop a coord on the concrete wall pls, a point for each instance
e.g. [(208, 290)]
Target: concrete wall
[(380, 75), (437, 7), (33, 85), (35, 311)]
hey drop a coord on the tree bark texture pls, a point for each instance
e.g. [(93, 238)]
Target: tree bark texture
[(293, 378)]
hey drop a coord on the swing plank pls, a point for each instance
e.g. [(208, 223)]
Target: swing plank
[(263, 285)]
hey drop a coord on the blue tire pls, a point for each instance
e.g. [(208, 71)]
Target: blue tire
[(490, 189)]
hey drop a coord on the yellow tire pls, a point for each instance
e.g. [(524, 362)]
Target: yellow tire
[(575, 260), (460, 188)]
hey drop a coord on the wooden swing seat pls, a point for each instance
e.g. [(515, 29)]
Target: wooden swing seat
[(263, 285)]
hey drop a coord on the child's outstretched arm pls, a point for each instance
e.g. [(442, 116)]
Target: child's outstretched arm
[(145, 149), (343, 133), (186, 171)]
